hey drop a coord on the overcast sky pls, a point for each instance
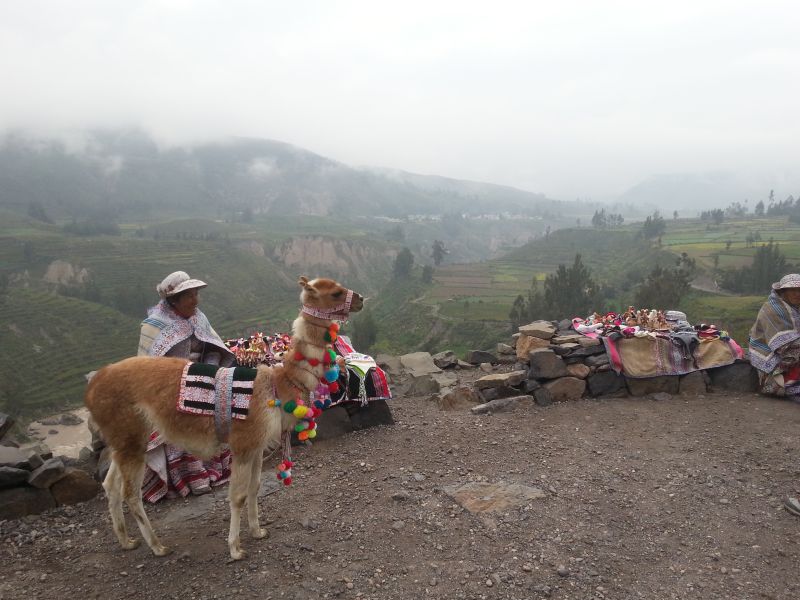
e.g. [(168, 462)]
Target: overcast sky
[(573, 99)]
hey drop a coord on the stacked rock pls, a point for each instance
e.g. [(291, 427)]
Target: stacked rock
[(32, 481), (554, 363)]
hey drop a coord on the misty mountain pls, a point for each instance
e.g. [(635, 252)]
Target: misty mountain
[(700, 191), (126, 173)]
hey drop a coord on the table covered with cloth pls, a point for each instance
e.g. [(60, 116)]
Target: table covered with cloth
[(667, 354)]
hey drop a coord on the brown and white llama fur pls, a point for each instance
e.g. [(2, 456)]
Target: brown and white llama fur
[(130, 398)]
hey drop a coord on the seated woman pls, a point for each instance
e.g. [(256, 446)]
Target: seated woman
[(775, 348), (775, 340), (176, 327)]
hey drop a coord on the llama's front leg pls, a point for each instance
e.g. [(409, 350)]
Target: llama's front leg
[(252, 497), (112, 484), (132, 484), (237, 494)]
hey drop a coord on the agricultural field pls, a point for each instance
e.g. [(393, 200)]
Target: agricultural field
[(702, 240)]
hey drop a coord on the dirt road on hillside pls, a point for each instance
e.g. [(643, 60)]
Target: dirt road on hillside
[(641, 499)]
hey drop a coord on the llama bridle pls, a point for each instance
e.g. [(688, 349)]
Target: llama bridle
[(340, 312)]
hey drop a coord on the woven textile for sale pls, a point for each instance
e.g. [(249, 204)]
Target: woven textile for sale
[(654, 355)]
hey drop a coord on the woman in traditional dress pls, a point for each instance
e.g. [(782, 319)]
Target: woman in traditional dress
[(176, 327), (775, 347)]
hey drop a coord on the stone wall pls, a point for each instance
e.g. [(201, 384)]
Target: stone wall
[(554, 364), (32, 480)]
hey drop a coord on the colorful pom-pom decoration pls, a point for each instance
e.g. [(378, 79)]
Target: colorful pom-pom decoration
[(274, 402), (300, 412), (312, 434), (332, 374), (290, 406), (302, 436)]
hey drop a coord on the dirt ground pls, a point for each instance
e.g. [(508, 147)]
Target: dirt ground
[(642, 499)]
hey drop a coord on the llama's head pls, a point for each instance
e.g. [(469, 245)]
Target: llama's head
[(328, 299)]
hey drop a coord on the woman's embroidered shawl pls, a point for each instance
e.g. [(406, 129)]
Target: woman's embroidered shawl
[(777, 325), (163, 330)]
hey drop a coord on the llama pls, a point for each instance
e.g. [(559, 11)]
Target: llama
[(130, 398)]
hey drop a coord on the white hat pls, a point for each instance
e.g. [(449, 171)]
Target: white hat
[(178, 282), (792, 280)]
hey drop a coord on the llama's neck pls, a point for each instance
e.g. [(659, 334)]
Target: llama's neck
[(308, 342)]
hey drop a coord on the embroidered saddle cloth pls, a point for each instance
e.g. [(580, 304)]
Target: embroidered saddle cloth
[(221, 392)]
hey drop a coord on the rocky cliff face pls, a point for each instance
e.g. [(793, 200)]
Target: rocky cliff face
[(330, 257)]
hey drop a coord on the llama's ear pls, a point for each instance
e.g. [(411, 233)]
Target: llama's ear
[(303, 282)]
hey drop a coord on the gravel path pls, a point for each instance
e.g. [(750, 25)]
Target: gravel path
[(642, 499)]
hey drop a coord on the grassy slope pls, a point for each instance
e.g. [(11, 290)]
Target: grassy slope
[(48, 343)]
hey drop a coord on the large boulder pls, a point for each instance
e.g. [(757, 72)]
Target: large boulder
[(693, 384), (389, 363), (565, 389), (424, 385), (445, 360), (51, 471), (20, 501), (584, 351), (543, 397), (605, 384), (17, 458), (333, 422), (6, 423), (741, 376), (653, 385), (460, 398), (540, 329), (498, 392), (526, 343), (597, 360), (75, 486), (419, 363), (579, 370), (372, 414), (477, 357), (563, 349), (500, 380), (546, 364), (11, 477)]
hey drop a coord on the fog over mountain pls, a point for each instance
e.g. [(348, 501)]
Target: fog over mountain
[(568, 99), (694, 192), (113, 174)]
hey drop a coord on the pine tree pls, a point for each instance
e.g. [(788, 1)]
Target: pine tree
[(403, 264)]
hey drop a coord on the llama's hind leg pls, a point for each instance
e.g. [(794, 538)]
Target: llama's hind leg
[(113, 487), (132, 475), (241, 472), (252, 497)]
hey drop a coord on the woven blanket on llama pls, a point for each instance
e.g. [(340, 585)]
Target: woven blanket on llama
[(221, 392)]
